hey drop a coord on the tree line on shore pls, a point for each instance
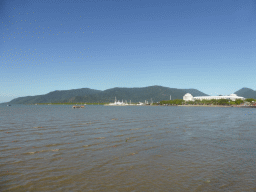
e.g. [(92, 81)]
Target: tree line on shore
[(69, 103), (208, 102)]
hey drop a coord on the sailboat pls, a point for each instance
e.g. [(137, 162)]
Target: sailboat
[(117, 102)]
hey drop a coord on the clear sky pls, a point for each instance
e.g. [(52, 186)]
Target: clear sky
[(48, 45)]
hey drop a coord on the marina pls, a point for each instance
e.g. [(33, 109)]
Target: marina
[(118, 103)]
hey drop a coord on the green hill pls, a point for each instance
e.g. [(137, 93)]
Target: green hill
[(157, 93), (55, 96), (246, 93)]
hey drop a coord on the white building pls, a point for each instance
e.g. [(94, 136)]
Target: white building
[(188, 97), (232, 97)]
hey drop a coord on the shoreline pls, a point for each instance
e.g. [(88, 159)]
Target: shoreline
[(203, 106), (237, 106)]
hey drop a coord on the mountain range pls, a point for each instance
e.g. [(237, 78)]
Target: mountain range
[(86, 95), (246, 93)]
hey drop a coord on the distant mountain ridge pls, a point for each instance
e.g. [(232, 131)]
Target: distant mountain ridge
[(246, 93), (156, 93)]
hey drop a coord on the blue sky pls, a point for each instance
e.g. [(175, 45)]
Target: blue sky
[(101, 44)]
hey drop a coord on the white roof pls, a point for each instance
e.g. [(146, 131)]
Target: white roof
[(188, 94)]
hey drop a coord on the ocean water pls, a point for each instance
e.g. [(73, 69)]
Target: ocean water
[(130, 148)]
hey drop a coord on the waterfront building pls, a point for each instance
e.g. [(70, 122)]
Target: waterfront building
[(188, 97), (232, 97)]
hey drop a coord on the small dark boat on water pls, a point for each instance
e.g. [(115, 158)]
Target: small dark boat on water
[(8, 105), (77, 107)]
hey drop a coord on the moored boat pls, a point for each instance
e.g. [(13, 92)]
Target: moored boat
[(77, 107)]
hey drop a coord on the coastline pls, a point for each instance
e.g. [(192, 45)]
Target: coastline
[(237, 106), (203, 106)]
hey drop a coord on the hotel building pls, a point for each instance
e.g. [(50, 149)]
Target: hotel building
[(232, 97)]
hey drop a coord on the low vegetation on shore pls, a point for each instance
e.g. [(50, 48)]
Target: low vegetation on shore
[(249, 101), (69, 104)]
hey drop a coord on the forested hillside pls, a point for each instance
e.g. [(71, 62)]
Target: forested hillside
[(156, 93)]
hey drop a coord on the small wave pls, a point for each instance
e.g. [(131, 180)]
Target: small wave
[(132, 154), (100, 138), (77, 126), (51, 145), (17, 162), (55, 149), (36, 133), (119, 136), (9, 149), (55, 159), (136, 128), (43, 151), (87, 123), (33, 152)]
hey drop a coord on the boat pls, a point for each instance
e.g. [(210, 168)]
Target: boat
[(77, 106), (117, 103), (8, 105)]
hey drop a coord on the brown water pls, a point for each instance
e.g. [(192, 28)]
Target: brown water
[(131, 148)]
